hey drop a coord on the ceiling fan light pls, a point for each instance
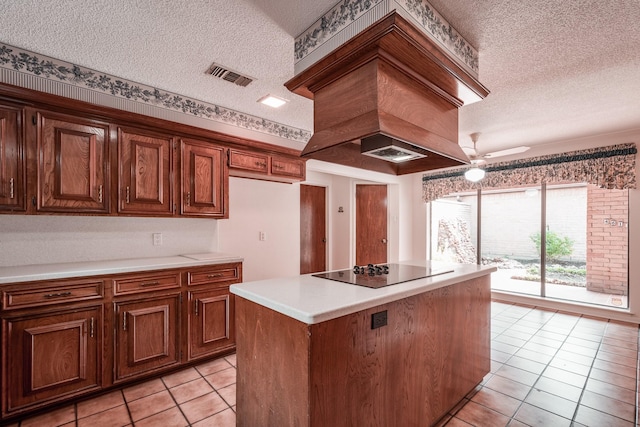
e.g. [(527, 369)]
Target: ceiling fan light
[(474, 174)]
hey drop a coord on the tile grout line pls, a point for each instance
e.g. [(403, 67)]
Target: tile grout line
[(566, 337)]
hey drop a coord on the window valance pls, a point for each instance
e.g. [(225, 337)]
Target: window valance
[(612, 167)]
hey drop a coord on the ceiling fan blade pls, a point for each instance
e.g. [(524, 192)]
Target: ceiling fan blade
[(469, 151), (507, 152)]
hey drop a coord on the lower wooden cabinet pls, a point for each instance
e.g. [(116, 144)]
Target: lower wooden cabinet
[(50, 357), (146, 335), (211, 325), (67, 338)]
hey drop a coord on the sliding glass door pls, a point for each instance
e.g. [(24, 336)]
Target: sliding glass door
[(509, 220), (581, 229)]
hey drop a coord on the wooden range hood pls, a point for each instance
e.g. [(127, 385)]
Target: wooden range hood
[(389, 85)]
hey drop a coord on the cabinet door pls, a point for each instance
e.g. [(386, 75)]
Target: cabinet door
[(288, 168), (211, 322), (253, 162), (146, 173), (146, 335), (50, 357), (73, 165), (12, 190), (204, 180)]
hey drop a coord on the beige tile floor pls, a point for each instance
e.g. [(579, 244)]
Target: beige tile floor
[(548, 369)]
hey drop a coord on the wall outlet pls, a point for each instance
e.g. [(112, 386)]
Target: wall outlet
[(157, 239), (262, 236), (379, 319)]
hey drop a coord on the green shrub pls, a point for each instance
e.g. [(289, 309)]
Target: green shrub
[(557, 246)]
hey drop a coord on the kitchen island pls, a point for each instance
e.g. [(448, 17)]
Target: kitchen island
[(317, 352)]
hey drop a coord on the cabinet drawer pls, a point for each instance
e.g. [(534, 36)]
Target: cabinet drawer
[(51, 293), (213, 275), (248, 161), (288, 167), (146, 283)]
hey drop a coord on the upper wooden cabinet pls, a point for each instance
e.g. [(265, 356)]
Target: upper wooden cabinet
[(254, 162), (145, 173), (61, 156), (290, 168), (205, 180), (249, 164), (12, 179), (73, 166)]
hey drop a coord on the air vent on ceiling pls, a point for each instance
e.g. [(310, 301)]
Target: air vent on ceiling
[(224, 73)]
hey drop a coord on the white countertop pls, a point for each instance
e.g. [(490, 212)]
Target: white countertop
[(313, 300), (29, 273)]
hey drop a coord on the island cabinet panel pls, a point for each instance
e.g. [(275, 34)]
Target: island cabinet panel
[(272, 353), (73, 166), (50, 357), (204, 180), (12, 179), (411, 371), (146, 335), (145, 173)]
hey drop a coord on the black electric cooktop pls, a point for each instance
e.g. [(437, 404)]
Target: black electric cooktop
[(378, 276)]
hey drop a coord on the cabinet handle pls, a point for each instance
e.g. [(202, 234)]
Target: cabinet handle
[(91, 328), (57, 295), (213, 276), (124, 321), (189, 198), (11, 192), (277, 166), (150, 283), (100, 193), (196, 307), (128, 194)]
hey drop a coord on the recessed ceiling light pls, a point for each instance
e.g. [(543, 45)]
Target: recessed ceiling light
[(272, 101)]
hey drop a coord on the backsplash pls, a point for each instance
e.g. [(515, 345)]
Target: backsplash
[(45, 239)]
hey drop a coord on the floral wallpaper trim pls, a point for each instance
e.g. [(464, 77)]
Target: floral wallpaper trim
[(340, 16), (348, 11), (612, 167), (442, 31), (49, 68)]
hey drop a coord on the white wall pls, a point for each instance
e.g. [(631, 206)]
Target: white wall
[(269, 207), (341, 182), (45, 239)]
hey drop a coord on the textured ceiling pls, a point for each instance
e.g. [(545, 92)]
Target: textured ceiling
[(557, 70)]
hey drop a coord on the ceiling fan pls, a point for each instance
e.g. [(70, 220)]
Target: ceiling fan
[(477, 158), (475, 174)]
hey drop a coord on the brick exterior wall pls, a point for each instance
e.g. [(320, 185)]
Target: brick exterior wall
[(607, 240)]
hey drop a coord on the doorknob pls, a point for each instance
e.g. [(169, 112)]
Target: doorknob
[(384, 241), (324, 240)]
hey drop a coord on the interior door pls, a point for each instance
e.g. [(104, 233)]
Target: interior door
[(313, 241), (371, 224)]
